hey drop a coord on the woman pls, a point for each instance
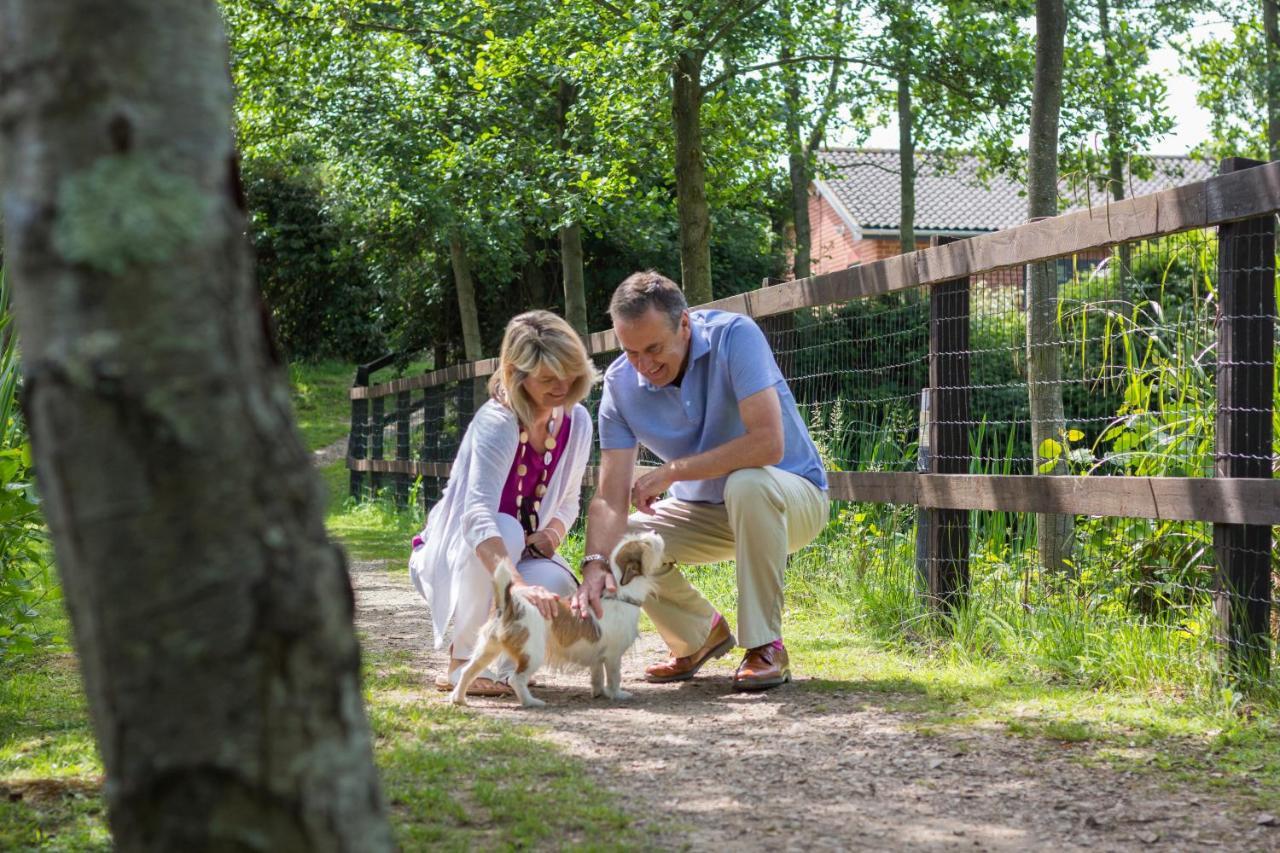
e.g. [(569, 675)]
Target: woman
[(513, 490)]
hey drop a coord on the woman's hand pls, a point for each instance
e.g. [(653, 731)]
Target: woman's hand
[(542, 543), (540, 597)]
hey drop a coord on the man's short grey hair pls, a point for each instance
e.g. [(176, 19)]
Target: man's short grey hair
[(644, 290)]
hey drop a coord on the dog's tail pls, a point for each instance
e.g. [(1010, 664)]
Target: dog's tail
[(503, 601)]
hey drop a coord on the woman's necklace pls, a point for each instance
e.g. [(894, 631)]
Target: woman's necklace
[(529, 511)]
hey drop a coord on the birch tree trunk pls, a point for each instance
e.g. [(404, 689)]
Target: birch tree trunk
[(1044, 353), (691, 178), (212, 616)]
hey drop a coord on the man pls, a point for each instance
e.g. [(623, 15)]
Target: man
[(703, 392)]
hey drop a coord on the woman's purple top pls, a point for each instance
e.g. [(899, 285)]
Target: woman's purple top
[(533, 475)]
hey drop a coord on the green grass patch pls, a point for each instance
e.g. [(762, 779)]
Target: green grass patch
[(370, 530), (50, 774), (460, 781), (321, 403)]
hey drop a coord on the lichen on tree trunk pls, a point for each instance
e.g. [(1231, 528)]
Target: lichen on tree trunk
[(212, 616)]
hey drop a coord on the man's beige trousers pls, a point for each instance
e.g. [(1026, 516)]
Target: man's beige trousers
[(767, 514)]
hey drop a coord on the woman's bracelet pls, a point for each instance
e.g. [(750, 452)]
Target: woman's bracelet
[(559, 538)]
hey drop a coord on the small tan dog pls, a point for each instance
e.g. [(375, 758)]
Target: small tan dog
[(567, 640)]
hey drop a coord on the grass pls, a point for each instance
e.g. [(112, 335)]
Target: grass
[(453, 780), (50, 775), (457, 780), (320, 403)]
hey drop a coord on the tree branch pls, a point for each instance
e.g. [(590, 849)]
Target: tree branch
[(828, 103), (809, 57), (728, 27)]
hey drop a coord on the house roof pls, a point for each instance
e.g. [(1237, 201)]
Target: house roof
[(865, 183)]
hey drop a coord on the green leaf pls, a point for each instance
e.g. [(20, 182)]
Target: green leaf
[(1050, 449)]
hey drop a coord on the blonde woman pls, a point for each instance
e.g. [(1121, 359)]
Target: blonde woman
[(513, 491)]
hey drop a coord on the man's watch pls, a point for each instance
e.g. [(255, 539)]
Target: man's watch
[(591, 558)]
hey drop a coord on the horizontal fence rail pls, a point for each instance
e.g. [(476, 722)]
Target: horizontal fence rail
[(913, 375), (1228, 501)]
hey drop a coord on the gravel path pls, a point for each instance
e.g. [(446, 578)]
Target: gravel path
[(700, 767)]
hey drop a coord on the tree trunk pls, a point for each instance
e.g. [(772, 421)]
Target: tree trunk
[(471, 343), (538, 290), (797, 159), (1115, 150), (691, 178), (212, 616), (798, 163), (575, 288), (906, 165), (1271, 33), (1044, 356), (906, 135)]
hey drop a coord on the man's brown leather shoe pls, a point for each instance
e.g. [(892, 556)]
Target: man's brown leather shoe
[(682, 669), (762, 668)]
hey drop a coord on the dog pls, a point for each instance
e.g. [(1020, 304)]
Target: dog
[(568, 640)]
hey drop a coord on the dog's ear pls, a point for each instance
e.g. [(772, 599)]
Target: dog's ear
[(632, 568)]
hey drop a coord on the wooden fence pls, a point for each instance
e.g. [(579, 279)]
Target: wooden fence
[(1241, 500)]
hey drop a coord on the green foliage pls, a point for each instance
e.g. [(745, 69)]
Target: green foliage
[(1231, 71), (23, 545), (323, 298)]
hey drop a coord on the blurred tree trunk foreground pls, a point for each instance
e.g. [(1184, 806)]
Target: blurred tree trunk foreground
[(212, 616)]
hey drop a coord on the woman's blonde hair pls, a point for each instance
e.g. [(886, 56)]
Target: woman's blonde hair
[(534, 340)]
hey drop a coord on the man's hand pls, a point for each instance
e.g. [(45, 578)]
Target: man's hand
[(650, 487), (596, 580)]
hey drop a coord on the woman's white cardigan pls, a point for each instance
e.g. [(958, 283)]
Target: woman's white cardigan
[(466, 514)]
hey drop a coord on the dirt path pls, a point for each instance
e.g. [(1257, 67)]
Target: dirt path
[(700, 767), (330, 454)]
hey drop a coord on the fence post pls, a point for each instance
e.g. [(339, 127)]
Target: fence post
[(402, 447), (432, 433), (1245, 376), (924, 516), (375, 443), (359, 429), (947, 558)]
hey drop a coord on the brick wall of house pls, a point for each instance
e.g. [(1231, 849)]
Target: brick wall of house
[(832, 246)]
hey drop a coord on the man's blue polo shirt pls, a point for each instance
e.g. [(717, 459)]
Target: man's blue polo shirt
[(729, 360)]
